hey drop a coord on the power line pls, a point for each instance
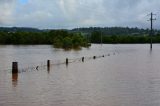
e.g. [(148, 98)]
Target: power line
[(151, 32)]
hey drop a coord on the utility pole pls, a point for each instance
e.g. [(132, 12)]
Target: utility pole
[(151, 32), (101, 38)]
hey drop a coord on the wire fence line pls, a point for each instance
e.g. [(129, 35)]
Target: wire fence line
[(44, 66)]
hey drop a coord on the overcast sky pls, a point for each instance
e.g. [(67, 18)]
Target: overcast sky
[(78, 13)]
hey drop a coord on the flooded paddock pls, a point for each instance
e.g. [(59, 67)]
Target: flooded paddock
[(129, 75)]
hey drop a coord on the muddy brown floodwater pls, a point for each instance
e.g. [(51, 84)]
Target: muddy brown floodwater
[(129, 76)]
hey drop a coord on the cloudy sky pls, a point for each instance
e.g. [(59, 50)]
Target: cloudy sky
[(78, 13)]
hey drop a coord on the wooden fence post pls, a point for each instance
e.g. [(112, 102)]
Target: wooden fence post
[(66, 61), (94, 57), (48, 65), (82, 59), (14, 67)]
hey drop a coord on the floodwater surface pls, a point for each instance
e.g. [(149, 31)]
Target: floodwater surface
[(128, 76)]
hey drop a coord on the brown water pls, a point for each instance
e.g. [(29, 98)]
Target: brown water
[(131, 77)]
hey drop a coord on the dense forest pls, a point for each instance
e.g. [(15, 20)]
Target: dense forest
[(97, 37), (112, 35), (79, 37), (59, 38)]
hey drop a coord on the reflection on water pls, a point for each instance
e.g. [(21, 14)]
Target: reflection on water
[(150, 51), (14, 79), (128, 76), (48, 69)]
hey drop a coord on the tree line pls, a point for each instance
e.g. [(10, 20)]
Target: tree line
[(76, 38), (98, 37), (116, 31), (59, 38)]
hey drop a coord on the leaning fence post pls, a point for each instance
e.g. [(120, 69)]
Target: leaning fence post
[(48, 65), (66, 61), (14, 67)]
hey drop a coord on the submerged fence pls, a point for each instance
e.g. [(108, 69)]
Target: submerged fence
[(49, 63)]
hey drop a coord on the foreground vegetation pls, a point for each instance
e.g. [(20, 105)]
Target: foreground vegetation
[(59, 38)]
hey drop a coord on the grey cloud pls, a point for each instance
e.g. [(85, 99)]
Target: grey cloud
[(6, 11), (78, 13)]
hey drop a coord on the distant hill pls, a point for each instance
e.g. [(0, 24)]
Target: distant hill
[(105, 31), (19, 29), (112, 31)]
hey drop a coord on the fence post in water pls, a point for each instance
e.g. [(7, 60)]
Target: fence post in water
[(66, 61), (14, 67), (48, 65), (94, 57), (82, 59)]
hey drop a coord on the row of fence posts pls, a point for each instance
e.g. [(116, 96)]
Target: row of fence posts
[(15, 69), (15, 64)]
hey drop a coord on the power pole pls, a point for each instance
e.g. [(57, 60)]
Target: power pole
[(151, 32), (101, 38)]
